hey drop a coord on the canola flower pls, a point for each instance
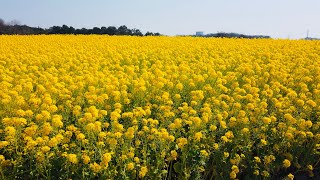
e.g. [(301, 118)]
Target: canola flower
[(102, 107)]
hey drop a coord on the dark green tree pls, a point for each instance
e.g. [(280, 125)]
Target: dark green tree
[(123, 30), (111, 30), (96, 30)]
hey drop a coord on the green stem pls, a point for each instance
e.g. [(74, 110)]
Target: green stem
[(1, 172), (170, 170)]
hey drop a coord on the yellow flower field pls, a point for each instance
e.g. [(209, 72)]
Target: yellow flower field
[(85, 107)]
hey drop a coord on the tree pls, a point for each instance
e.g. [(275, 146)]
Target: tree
[(2, 23), (14, 27), (123, 30), (96, 30), (65, 29), (149, 34), (103, 30), (55, 30), (71, 30), (2, 26), (84, 31), (136, 32), (111, 30)]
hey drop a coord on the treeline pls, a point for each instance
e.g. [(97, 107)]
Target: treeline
[(15, 28), (235, 35)]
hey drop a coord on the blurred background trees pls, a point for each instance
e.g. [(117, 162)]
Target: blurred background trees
[(15, 27)]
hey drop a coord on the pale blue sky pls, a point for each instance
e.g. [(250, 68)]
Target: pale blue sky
[(277, 18)]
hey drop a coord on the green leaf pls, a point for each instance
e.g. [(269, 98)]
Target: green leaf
[(178, 167)]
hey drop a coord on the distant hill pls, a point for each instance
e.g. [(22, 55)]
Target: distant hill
[(310, 38), (235, 35)]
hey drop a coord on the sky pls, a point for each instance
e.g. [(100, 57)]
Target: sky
[(276, 18)]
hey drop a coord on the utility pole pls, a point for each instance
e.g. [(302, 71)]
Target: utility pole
[(308, 34)]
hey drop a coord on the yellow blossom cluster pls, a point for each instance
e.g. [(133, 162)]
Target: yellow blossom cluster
[(110, 107)]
